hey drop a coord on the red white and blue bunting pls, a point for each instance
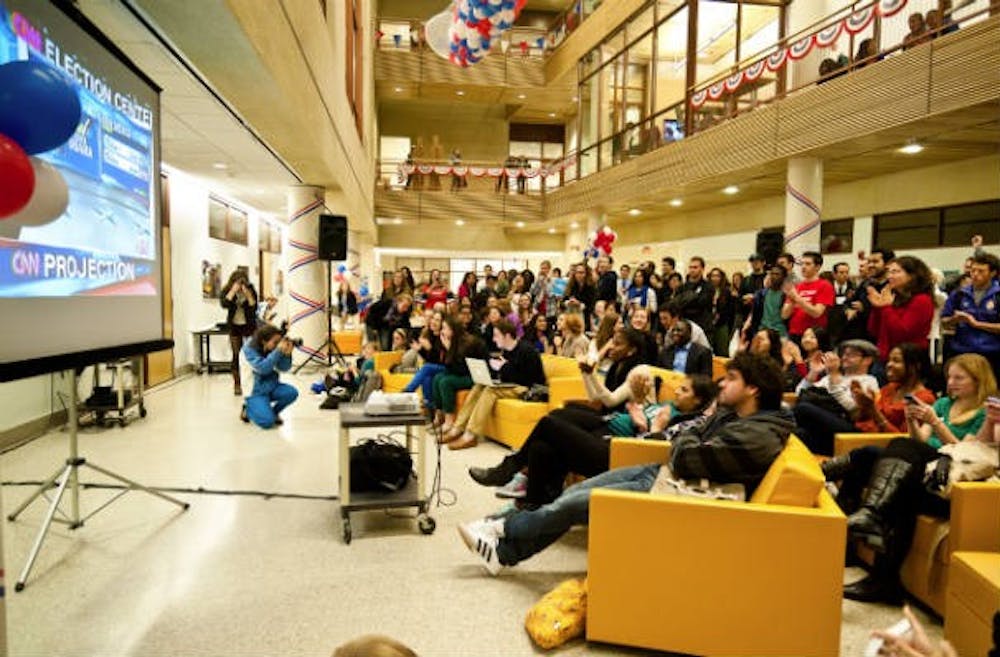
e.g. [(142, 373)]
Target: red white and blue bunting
[(823, 38), (553, 169)]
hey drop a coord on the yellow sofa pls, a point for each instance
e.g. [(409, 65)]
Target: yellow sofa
[(718, 578), (384, 362), (973, 599), (974, 526)]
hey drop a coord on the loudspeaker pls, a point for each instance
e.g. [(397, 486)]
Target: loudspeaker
[(332, 242), (770, 245)]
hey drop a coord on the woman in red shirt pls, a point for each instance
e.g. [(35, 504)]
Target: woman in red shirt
[(903, 311)]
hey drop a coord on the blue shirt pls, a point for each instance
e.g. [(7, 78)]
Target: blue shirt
[(968, 339), (265, 368), (681, 358)]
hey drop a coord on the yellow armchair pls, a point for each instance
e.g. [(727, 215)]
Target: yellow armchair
[(974, 526), (716, 578), (384, 362)]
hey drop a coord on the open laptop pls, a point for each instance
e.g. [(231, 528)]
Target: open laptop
[(480, 372)]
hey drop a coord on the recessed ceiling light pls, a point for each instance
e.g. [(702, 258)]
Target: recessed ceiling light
[(911, 148), (459, 93), (398, 89), (676, 203), (459, 222), (520, 224), (732, 189), (397, 221), (521, 96), (635, 212), (576, 98), (552, 231), (574, 225), (220, 165), (552, 115)]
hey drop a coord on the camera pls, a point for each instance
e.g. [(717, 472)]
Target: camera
[(298, 342)]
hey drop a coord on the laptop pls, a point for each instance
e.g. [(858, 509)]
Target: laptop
[(481, 374)]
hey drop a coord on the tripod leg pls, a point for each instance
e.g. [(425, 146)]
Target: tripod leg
[(38, 492), (44, 529), (137, 486)]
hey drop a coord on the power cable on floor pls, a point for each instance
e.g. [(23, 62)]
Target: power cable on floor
[(200, 490)]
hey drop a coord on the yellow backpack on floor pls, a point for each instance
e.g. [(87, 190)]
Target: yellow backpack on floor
[(561, 614)]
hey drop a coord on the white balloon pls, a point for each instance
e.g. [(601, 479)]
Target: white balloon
[(49, 200), (438, 33)]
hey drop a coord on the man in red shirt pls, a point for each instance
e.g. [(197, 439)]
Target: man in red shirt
[(806, 302)]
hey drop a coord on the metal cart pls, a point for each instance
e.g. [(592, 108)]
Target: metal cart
[(116, 407), (352, 416), (205, 361)]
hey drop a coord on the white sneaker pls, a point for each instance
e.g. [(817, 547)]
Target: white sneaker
[(514, 489), (482, 536)]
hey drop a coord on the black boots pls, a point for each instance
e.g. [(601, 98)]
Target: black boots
[(836, 468), (496, 476), (882, 585), (880, 500)]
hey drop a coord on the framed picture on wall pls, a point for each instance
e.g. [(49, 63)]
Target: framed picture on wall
[(211, 279), (238, 222), (263, 236), (275, 239), (217, 219)]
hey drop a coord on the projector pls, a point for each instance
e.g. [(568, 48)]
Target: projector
[(393, 403)]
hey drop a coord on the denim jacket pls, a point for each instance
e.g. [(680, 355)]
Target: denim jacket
[(968, 339)]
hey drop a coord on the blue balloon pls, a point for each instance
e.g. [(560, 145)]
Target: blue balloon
[(341, 269), (364, 290), (39, 108)]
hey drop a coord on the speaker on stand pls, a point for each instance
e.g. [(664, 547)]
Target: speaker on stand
[(331, 245), (770, 245)]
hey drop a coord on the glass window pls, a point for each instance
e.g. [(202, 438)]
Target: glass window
[(642, 23), (671, 60), (636, 95), (716, 38), (916, 229), (837, 236), (590, 111), (960, 223)]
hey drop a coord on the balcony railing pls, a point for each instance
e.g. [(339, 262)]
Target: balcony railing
[(533, 177), (402, 34), (761, 79)]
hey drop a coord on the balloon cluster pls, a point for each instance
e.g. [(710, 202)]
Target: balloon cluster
[(39, 111), (477, 24), (600, 242)]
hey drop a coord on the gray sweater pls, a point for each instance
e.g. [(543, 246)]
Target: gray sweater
[(731, 449)]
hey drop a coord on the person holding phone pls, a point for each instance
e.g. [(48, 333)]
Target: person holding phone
[(240, 301)]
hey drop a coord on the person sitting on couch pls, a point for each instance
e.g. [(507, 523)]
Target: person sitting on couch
[(518, 363), (735, 445)]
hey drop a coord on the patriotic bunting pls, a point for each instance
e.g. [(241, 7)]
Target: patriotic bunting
[(855, 23), (406, 169)]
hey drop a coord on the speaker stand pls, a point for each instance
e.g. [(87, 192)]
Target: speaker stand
[(330, 347)]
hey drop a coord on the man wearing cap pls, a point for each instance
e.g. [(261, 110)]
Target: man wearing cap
[(834, 374)]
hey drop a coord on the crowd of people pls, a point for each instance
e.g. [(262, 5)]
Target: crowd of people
[(811, 349)]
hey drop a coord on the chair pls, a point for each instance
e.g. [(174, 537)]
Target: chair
[(391, 381), (718, 578), (974, 526)]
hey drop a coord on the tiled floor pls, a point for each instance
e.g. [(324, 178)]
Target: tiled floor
[(250, 575)]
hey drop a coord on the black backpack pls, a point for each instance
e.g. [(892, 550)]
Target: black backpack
[(379, 465)]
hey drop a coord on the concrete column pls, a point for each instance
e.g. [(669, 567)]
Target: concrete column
[(306, 273), (803, 204)]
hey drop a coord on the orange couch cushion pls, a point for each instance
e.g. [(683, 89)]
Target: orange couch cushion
[(794, 479)]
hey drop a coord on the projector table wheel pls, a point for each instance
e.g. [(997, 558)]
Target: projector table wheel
[(142, 410), (426, 524), (347, 531)]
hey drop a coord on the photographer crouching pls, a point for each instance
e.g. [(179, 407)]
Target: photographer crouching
[(268, 353)]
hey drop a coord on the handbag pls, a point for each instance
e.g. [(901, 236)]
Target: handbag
[(538, 392), (379, 465)]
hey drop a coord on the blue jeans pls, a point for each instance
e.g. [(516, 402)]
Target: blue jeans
[(423, 379), (529, 532), (262, 408)]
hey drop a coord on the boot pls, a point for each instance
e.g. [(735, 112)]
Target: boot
[(836, 468), (869, 522), (882, 584), (498, 475)]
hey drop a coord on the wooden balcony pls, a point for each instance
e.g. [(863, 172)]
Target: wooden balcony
[(480, 205)]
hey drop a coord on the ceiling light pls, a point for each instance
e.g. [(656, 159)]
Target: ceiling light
[(552, 115), (521, 96), (220, 165), (732, 189), (552, 231), (398, 89), (459, 222), (576, 98), (911, 148), (676, 203), (520, 224), (459, 93), (635, 212), (397, 221), (574, 225)]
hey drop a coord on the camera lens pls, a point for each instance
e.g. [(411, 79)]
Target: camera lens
[(296, 341)]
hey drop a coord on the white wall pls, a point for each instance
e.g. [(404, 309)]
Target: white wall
[(29, 399), (191, 245)]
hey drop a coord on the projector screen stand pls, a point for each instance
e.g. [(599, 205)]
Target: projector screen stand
[(67, 477)]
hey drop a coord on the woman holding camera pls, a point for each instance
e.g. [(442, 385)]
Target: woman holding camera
[(240, 301), (268, 353)]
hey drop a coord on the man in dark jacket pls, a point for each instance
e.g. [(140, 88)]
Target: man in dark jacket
[(607, 280), (683, 355), (737, 444), (519, 364), (695, 296)]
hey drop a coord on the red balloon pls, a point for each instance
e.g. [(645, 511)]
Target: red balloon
[(17, 177)]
